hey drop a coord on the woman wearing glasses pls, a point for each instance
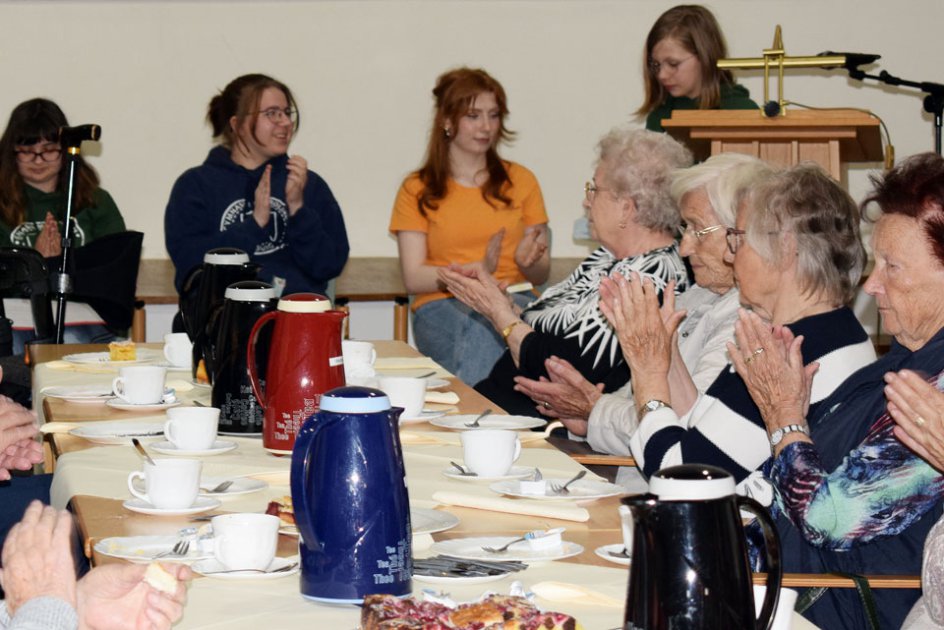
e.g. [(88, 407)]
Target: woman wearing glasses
[(33, 207), (251, 195), (680, 67)]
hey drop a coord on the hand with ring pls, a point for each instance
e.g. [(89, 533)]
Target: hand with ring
[(918, 409)]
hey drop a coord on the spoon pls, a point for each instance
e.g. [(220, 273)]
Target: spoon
[(197, 403), (475, 423), (622, 553), (223, 486), (140, 449), (463, 471), (427, 375), (287, 567)]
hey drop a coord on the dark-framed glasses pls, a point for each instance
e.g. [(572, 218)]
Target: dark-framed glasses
[(277, 114), (671, 65), (684, 229), (47, 155), (734, 236)]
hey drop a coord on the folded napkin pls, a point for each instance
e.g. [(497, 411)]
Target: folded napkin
[(422, 542), (442, 398), (74, 367), (58, 427), (547, 509), (179, 385), (273, 478), (417, 365), (563, 592)]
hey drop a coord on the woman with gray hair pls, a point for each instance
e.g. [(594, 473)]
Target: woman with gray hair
[(787, 230), (633, 217), (708, 195)]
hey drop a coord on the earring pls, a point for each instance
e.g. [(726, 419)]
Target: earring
[(622, 225), (447, 132)]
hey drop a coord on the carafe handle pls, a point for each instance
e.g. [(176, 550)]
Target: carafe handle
[(301, 464), (774, 569), (251, 355)]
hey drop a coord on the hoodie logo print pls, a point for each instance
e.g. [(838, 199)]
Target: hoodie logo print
[(240, 211)]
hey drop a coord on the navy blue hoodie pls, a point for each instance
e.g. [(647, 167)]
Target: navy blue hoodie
[(211, 206)]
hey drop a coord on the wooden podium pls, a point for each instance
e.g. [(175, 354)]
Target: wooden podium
[(831, 138)]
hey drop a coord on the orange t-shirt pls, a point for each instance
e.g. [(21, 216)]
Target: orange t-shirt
[(459, 229)]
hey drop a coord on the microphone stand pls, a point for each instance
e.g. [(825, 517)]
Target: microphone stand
[(63, 278), (933, 102)]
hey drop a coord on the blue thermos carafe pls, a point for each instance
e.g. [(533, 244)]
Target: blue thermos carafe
[(350, 499)]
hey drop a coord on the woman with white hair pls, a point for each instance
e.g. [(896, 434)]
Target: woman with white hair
[(634, 218)]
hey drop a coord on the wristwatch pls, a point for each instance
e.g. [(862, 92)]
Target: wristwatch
[(506, 331), (777, 436), (652, 405)]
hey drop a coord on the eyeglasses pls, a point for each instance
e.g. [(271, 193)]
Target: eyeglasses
[(671, 65), (49, 155), (590, 189), (733, 236), (276, 114), (684, 229)]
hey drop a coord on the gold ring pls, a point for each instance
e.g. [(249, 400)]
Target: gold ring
[(546, 404), (920, 421), (759, 351)]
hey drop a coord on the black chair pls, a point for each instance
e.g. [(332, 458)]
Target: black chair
[(24, 274)]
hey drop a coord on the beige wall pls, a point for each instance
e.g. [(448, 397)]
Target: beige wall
[(362, 71)]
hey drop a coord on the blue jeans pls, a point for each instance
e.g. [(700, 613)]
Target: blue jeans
[(458, 338), (80, 333)]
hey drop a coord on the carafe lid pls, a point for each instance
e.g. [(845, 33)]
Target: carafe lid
[(226, 256), (354, 400), (250, 291), (304, 303), (691, 482)]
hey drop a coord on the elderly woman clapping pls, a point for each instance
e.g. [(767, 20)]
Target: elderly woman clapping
[(708, 195), (634, 218), (797, 258), (851, 496)]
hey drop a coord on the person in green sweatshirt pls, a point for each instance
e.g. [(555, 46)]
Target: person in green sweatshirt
[(33, 207), (680, 67)]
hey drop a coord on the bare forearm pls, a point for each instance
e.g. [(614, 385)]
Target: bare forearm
[(681, 387), (422, 279), (538, 273)]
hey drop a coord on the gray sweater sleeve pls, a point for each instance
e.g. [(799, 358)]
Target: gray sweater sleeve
[(40, 613)]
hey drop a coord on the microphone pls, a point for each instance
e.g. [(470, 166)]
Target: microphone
[(73, 136), (853, 60)]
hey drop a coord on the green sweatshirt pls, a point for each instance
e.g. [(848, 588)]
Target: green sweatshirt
[(88, 224), (732, 97)]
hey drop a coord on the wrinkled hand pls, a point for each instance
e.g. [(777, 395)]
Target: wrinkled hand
[(918, 408), (479, 291), (493, 251), (532, 246), (566, 395), (49, 241), (295, 184), (775, 376), (37, 558), (22, 455), (632, 308), (115, 597), (261, 211), (17, 425)]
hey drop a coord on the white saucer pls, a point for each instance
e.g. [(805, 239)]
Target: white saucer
[(241, 485), (436, 383), (516, 472), (202, 504), (219, 446), (118, 431), (580, 490), (144, 355), (147, 548), (170, 400), (458, 579), (425, 416), (427, 521), (495, 421), (604, 552), (207, 568), (82, 394), (520, 551)]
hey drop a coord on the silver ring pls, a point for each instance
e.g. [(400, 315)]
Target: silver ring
[(920, 421), (759, 351)]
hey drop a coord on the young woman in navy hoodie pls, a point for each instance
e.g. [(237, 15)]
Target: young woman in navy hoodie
[(250, 194)]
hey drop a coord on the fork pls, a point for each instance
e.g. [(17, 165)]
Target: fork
[(475, 423), (180, 549), (537, 533), (562, 489)]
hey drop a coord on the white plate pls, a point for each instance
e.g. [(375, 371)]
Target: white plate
[(458, 579), (117, 403), (436, 383), (84, 394), (144, 548), (457, 423), (520, 551), (241, 485), (219, 446), (207, 568), (604, 552), (118, 431), (580, 490), (202, 504), (516, 472), (144, 355), (425, 521), (425, 416)]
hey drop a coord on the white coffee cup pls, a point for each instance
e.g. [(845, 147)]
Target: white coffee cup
[(359, 358), (783, 616), (192, 428), (245, 541), (178, 350), (627, 524), (490, 452), (140, 384), (169, 484), (406, 392)]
